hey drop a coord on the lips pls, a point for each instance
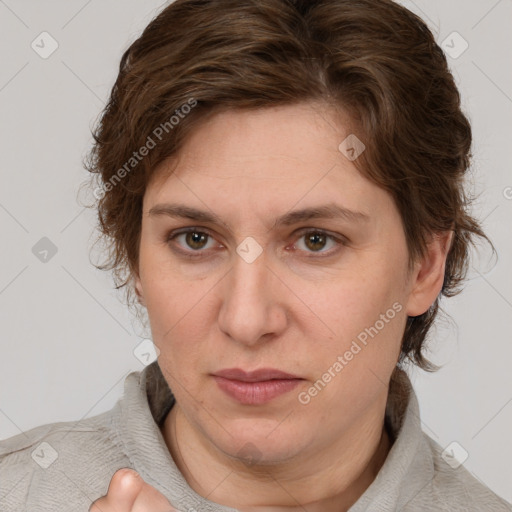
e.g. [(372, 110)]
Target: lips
[(257, 387), (262, 374)]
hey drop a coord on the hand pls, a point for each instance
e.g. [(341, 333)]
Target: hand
[(128, 492)]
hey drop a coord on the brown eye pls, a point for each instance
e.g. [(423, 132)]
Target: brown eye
[(191, 240), (315, 241), (195, 239), (319, 243)]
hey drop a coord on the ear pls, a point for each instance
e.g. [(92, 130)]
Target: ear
[(428, 275), (138, 290)]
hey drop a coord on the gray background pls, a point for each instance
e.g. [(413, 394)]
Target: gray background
[(68, 342)]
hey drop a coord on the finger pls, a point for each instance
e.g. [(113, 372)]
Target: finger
[(125, 486), (128, 492)]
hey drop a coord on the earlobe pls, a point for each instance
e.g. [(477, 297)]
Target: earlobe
[(138, 291), (428, 274)]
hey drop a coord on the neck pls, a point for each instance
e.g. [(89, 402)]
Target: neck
[(331, 480)]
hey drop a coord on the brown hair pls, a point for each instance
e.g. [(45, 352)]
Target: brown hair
[(373, 59)]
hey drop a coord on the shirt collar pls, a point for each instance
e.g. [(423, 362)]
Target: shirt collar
[(409, 466), (407, 469), (141, 411)]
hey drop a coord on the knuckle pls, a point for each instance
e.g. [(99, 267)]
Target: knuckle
[(125, 472), (126, 479)]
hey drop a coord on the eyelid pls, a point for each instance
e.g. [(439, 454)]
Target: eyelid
[(335, 236)]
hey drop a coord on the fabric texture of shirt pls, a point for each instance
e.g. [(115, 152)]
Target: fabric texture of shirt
[(65, 466)]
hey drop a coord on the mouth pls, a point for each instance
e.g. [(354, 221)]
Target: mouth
[(256, 387)]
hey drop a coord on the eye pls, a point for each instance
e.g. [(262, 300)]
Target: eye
[(191, 239), (315, 241)]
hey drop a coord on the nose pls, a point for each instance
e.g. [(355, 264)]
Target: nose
[(253, 308)]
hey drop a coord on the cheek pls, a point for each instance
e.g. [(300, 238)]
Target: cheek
[(182, 317), (350, 304), (179, 328), (352, 367), (177, 313), (364, 311), (167, 294)]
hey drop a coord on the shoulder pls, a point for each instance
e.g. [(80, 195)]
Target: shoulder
[(455, 489), (69, 464)]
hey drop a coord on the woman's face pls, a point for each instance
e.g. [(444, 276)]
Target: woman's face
[(323, 298)]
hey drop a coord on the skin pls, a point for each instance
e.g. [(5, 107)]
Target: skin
[(290, 309), (128, 492)]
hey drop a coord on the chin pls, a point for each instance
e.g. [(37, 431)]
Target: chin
[(263, 446)]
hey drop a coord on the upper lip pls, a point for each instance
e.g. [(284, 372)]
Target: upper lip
[(259, 375)]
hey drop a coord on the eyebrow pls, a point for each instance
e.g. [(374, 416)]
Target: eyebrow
[(327, 211)]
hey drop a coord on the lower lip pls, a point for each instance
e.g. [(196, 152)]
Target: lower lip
[(255, 393)]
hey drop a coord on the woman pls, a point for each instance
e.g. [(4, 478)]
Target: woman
[(281, 186)]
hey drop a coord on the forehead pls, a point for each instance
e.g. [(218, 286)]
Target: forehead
[(266, 160)]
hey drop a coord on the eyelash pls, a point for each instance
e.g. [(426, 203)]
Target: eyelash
[(340, 241)]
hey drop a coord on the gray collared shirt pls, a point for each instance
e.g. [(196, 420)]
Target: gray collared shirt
[(65, 466)]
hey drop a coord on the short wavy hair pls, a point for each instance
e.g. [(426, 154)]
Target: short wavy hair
[(372, 59)]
